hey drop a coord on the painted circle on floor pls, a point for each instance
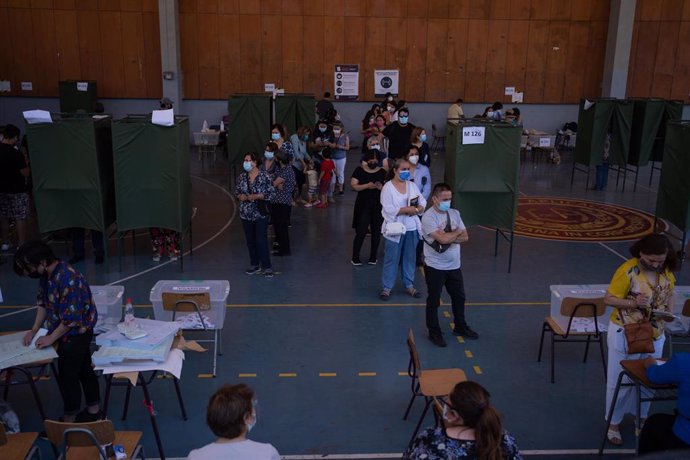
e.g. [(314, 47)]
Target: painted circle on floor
[(568, 219)]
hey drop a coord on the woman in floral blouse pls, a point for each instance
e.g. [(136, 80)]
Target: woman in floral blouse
[(472, 430), (254, 190)]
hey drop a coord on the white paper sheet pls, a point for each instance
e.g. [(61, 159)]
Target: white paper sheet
[(172, 365), (517, 97), (33, 117), (14, 353), (163, 117)]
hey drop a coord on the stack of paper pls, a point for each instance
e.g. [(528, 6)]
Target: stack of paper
[(14, 353), (154, 347)]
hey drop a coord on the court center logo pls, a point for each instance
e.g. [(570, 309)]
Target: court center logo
[(566, 219)]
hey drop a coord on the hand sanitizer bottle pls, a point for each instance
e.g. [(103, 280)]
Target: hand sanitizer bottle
[(129, 313)]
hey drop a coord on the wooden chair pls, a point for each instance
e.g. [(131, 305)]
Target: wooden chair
[(18, 446), (438, 140), (197, 302), (85, 440), (429, 383), (679, 338), (573, 307)]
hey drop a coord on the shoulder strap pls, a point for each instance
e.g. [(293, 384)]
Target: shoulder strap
[(448, 226)]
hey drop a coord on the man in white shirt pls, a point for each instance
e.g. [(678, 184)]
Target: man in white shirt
[(455, 112), (443, 231)]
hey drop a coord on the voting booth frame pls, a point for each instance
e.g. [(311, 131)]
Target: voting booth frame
[(81, 181), (250, 117), (637, 128), (78, 95), (483, 169), (673, 197)]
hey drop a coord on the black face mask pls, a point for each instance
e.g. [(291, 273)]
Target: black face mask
[(35, 275), (646, 266), (373, 164)]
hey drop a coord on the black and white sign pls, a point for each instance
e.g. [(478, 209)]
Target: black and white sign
[(386, 81), (473, 135), (346, 82)]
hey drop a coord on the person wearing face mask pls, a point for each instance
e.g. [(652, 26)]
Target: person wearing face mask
[(278, 137), (418, 139), (443, 231), (471, 430), (398, 135), (367, 180), (231, 415), (300, 159), (270, 164), (401, 203), (375, 146), (65, 308), (321, 138), (422, 178), (342, 146), (639, 287), (390, 113), (281, 204), (254, 190)]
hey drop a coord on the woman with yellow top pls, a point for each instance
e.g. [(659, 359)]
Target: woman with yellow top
[(640, 286)]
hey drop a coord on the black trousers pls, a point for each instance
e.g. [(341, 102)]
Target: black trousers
[(435, 281), (657, 435), (75, 370), (78, 239), (280, 216), (367, 218)]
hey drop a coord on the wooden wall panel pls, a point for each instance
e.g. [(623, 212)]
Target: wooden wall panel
[(536, 60), (354, 45), (24, 49), (664, 65), (556, 55), (271, 49), (516, 58), (497, 40), (313, 55), (152, 62), (67, 45), (415, 63), (292, 55), (89, 45), (576, 58), (375, 49), (476, 59), (43, 29), (250, 53), (6, 67), (209, 60), (437, 33), (112, 82), (334, 35), (229, 55), (189, 53), (456, 58), (133, 54), (595, 58)]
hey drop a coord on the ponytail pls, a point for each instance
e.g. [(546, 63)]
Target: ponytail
[(488, 434)]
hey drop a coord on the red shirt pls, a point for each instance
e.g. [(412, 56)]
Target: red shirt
[(327, 168)]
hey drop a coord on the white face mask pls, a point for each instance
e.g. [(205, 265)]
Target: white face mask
[(414, 159), (251, 424), (336, 132), (376, 147)]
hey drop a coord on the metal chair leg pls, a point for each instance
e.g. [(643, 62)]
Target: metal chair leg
[(553, 357), (586, 348), (544, 327), (419, 423), (409, 406), (603, 356), (125, 409), (179, 398)]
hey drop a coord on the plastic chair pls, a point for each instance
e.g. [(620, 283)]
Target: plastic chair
[(574, 307), (439, 140), (195, 302), (18, 446), (86, 440), (680, 338), (429, 383)]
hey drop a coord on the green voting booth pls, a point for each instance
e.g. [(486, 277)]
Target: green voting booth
[(295, 110), (152, 177), (249, 121), (482, 167), (72, 171), (673, 198), (77, 95)]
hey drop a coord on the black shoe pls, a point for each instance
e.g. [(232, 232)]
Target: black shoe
[(99, 259), (372, 262), (75, 259), (466, 332), (252, 270), (356, 262), (280, 254), (438, 340), (86, 417)]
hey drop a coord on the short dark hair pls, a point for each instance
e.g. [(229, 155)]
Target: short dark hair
[(656, 244), (254, 157), (30, 254), (10, 132), (459, 100), (498, 105), (441, 187), (280, 128), (272, 146), (404, 110), (327, 94), (227, 408), (326, 153), (371, 155)]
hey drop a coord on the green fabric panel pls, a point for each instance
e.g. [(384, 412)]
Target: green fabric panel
[(648, 115), (72, 99), (305, 112), (294, 111), (485, 177), (673, 110), (71, 167), (592, 126), (673, 199), (249, 121), (152, 178), (621, 125)]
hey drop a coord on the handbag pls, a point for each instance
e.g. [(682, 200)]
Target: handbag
[(639, 337), (394, 229)]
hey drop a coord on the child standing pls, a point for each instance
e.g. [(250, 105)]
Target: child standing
[(327, 169), (313, 181)]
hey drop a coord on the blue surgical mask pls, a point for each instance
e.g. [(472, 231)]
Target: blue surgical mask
[(248, 166), (404, 175), (322, 129), (268, 155), (422, 138), (275, 136), (305, 137), (402, 120), (444, 206)]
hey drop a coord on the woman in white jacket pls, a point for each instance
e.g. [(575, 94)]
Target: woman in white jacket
[(401, 203)]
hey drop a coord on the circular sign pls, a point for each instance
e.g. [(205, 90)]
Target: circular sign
[(567, 219), (386, 82), (338, 76)]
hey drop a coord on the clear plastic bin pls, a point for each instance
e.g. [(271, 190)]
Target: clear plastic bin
[(583, 291), (108, 300), (218, 290)]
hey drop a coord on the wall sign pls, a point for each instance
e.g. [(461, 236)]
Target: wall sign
[(473, 135), (346, 82)]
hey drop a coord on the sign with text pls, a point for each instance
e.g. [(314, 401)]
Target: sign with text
[(473, 135), (544, 142), (82, 86), (386, 81), (346, 82)]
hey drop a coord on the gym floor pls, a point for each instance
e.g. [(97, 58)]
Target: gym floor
[(328, 360)]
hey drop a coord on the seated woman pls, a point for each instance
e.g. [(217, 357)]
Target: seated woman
[(231, 415), (472, 430)]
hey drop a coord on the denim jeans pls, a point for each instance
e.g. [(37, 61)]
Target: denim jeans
[(602, 176), (400, 254), (256, 233)]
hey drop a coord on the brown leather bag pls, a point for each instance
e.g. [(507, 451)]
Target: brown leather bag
[(640, 337)]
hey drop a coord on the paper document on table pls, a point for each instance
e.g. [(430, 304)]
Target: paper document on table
[(33, 117), (41, 332), (172, 365), (14, 353)]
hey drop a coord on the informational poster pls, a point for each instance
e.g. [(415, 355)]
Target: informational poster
[(346, 82), (82, 86), (386, 81), (473, 135), (27, 86)]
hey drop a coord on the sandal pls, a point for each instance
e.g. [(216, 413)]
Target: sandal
[(613, 435), (414, 293), (385, 294)]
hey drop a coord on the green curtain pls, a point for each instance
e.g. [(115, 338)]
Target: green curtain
[(152, 177), (673, 199), (593, 125), (484, 177), (295, 110), (72, 171), (647, 119), (249, 121), (621, 128), (72, 99), (673, 111)]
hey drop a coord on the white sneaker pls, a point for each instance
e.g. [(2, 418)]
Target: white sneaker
[(5, 246)]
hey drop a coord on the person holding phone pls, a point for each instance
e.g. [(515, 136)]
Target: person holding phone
[(367, 180)]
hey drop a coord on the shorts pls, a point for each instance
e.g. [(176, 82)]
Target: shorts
[(14, 205), (312, 190), (324, 186)]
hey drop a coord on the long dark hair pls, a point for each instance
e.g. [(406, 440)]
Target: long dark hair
[(656, 244), (471, 401)]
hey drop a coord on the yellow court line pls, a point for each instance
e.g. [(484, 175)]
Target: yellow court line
[(446, 314), (477, 370), (327, 374), (44, 377), (205, 376), (461, 339), (452, 325), (468, 353), (246, 375), (403, 374), (287, 374), (367, 374)]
